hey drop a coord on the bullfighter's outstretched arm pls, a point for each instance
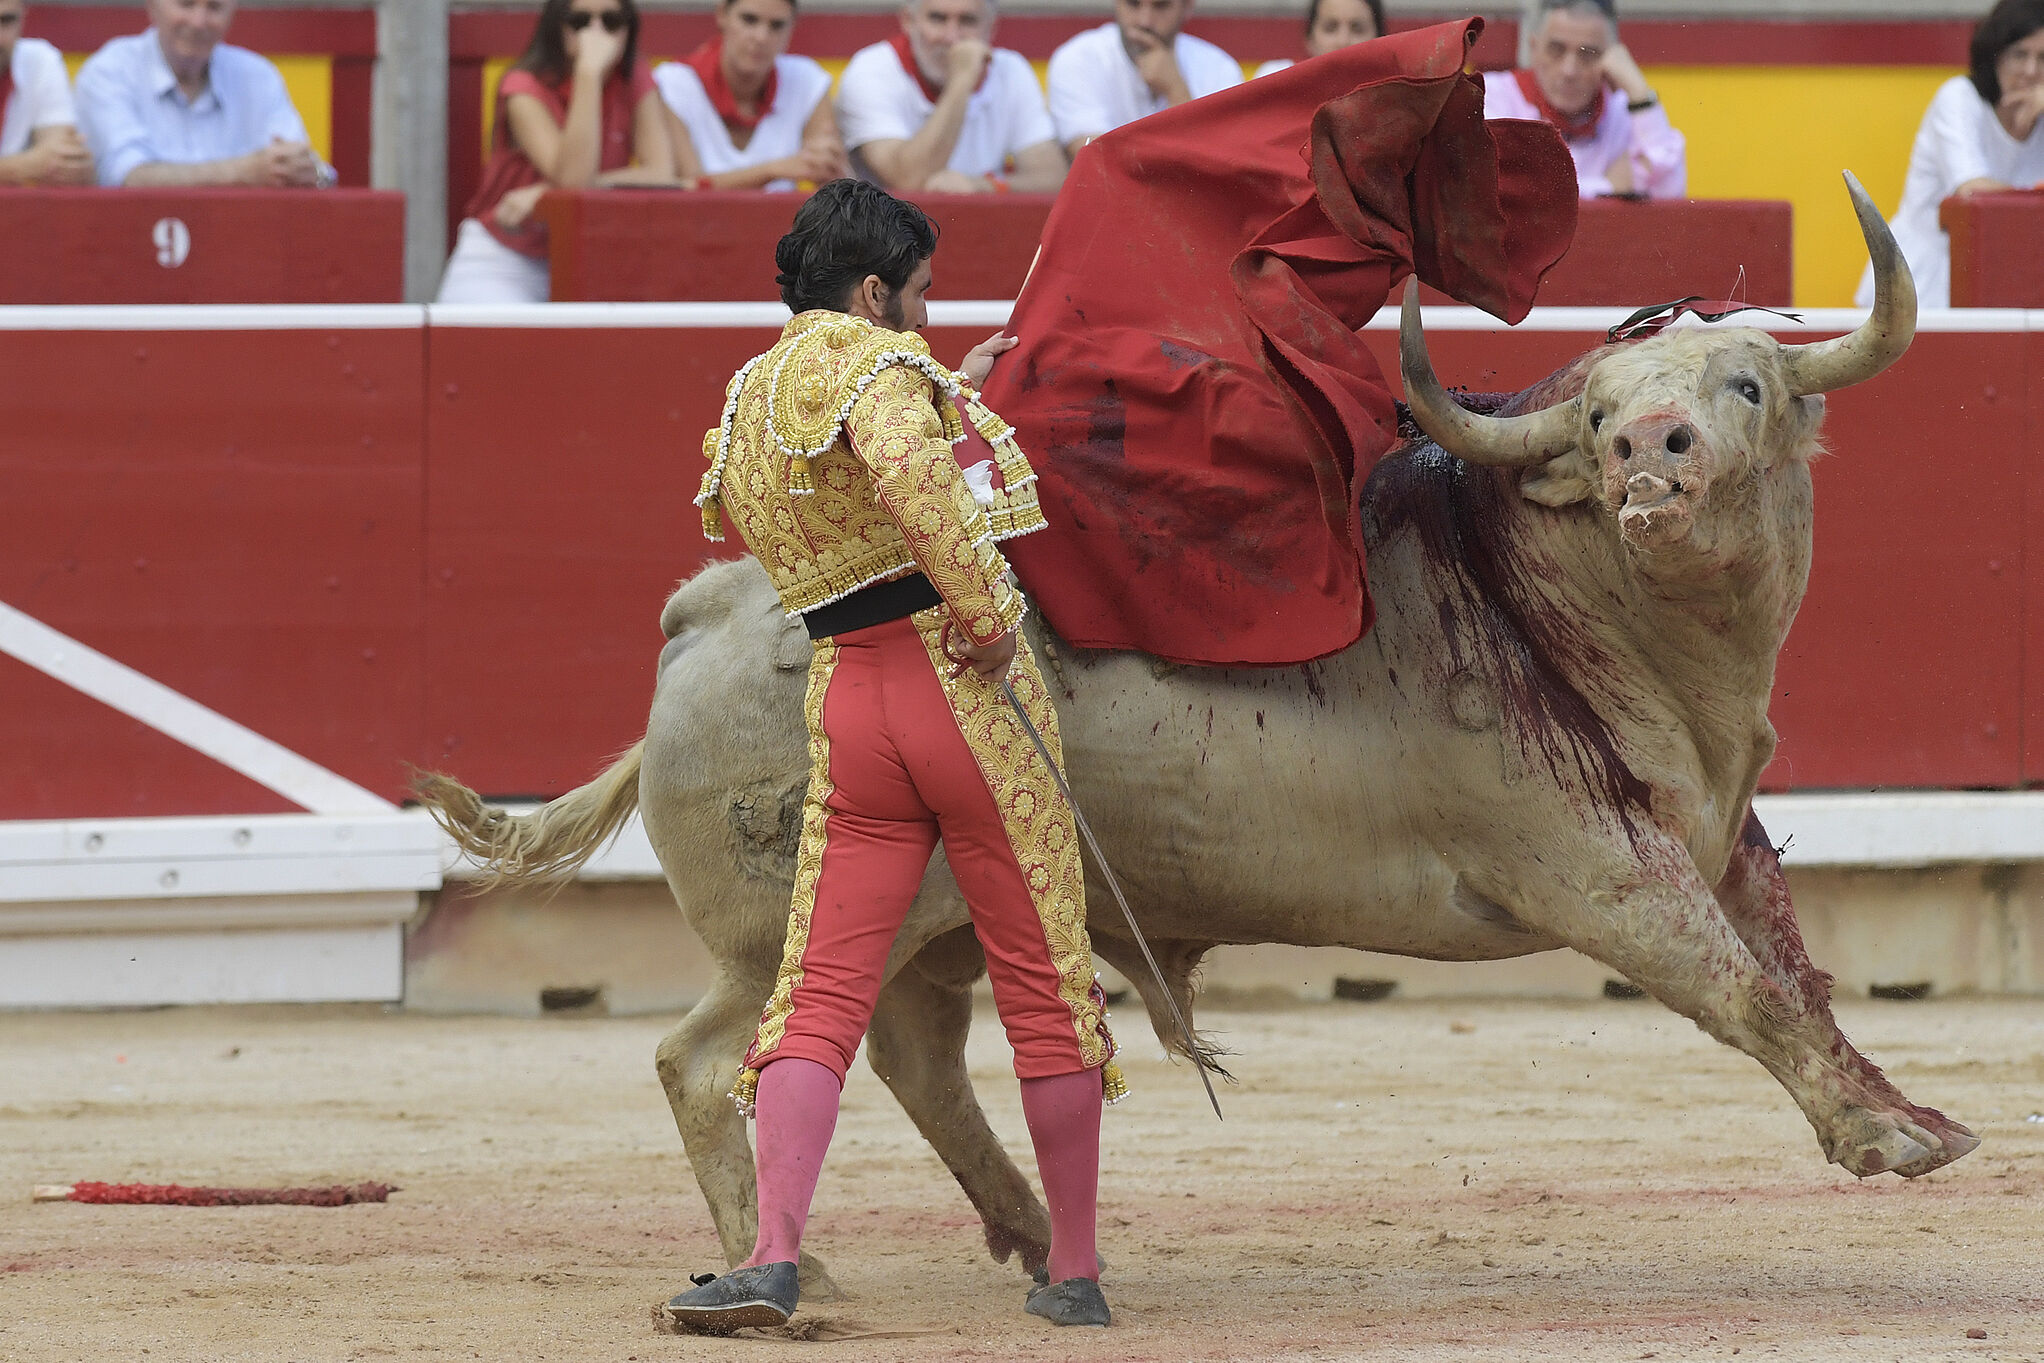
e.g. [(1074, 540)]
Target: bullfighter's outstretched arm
[(895, 429)]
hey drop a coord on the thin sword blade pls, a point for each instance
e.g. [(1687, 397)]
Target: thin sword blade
[(1114, 886)]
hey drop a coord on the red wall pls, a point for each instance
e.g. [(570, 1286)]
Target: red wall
[(450, 547)]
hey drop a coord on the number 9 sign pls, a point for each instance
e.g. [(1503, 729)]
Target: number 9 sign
[(173, 242)]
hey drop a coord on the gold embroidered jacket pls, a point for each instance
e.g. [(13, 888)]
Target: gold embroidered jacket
[(833, 461)]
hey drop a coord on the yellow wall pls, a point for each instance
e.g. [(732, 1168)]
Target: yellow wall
[(1785, 132), (310, 82)]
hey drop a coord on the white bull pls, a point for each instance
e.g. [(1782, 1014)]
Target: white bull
[(1550, 738)]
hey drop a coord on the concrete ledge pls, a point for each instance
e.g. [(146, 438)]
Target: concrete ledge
[(130, 969)]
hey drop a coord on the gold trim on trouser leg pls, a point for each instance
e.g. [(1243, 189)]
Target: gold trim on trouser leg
[(1040, 827), (773, 1019)]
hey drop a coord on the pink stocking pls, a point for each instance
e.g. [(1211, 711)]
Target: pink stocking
[(1064, 1123), (797, 1112)]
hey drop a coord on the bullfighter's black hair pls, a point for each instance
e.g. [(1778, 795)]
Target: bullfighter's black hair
[(849, 229)]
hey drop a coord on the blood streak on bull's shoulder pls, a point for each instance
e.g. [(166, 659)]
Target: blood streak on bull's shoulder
[(1489, 599)]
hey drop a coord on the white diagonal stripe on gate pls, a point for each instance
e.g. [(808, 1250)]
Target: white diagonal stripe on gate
[(177, 716)]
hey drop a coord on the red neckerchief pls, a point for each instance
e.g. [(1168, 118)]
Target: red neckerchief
[(1649, 320), (906, 53), (707, 62), (1574, 127)]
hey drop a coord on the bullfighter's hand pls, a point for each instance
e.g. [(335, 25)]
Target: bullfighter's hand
[(1620, 175), (979, 361), (2019, 110), (1624, 74), (990, 661)]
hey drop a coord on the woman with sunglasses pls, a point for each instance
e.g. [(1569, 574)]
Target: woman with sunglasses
[(742, 113), (576, 110), (1983, 134)]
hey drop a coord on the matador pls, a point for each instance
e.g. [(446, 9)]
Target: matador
[(835, 462)]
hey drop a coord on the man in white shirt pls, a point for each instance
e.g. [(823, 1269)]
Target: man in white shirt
[(938, 108), (39, 142), (1136, 65), (1580, 79), (177, 106)]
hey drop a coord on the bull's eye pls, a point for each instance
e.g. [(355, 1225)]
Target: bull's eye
[(1596, 419), (1748, 390)]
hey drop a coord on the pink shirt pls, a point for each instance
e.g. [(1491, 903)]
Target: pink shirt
[(1660, 161)]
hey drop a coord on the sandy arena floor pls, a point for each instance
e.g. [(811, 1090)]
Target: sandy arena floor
[(1393, 1181)]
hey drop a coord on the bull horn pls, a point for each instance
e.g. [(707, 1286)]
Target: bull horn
[(1825, 366), (1499, 441)]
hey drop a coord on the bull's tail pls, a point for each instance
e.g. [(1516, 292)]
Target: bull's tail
[(547, 844)]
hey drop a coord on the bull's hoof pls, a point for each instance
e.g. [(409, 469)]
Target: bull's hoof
[(816, 1282), (1870, 1143)]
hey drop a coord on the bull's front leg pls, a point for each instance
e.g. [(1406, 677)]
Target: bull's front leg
[(1754, 896), (917, 1046), (1661, 926), (697, 1063)]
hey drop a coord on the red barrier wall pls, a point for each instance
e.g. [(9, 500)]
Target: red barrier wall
[(450, 547), (234, 513), (202, 245)]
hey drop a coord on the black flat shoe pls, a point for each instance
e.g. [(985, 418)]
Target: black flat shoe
[(765, 1294), (1075, 1301)]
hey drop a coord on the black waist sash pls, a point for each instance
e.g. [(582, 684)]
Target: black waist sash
[(874, 605)]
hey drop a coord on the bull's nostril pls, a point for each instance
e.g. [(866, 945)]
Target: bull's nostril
[(1622, 447), (1678, 440)]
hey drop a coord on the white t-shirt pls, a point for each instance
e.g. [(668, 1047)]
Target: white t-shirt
[(1960, 140), (878, 101), (1095, 88), (41, 97), (799, 86), (1273, 66)]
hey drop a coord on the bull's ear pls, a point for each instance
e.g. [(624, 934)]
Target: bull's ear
[(1560, 482)]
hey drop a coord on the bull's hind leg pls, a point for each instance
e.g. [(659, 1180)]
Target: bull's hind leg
[(697, 1062), (1754, 896), (1665, 931), (917, 1045)]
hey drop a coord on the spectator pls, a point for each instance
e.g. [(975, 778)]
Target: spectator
[(1983, 132), (1332, 24), (1580, 79), (742, 113), (174, 105), (576, 110), (39, 142), (1136, 65), (938, 108)]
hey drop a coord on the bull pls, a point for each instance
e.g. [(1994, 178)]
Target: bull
[(1550, 738)]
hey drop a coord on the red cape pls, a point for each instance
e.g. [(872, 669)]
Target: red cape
[(1189, 385)]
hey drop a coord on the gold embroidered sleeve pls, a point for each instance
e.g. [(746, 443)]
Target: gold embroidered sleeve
[(896, 431)]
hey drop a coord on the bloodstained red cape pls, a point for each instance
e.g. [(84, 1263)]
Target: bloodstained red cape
[(1189, 384)]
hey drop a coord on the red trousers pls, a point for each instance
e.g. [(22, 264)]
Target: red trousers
[(904, 756)]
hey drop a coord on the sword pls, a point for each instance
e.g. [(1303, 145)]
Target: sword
[(1107, 874)]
